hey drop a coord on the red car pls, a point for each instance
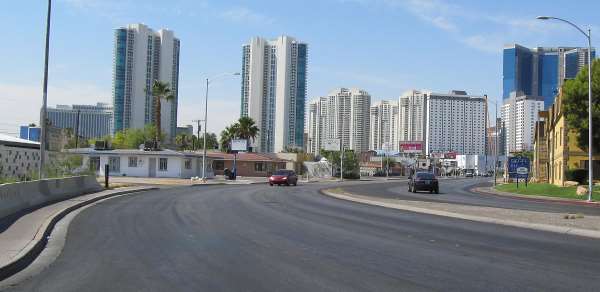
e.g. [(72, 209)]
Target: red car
[(283, 176)]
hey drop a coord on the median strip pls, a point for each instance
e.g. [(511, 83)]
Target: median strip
[(551, 222)]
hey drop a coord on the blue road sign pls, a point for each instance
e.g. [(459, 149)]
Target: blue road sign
[(518, 167)]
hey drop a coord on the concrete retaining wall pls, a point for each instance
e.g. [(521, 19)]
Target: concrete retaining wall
[(16, 197)]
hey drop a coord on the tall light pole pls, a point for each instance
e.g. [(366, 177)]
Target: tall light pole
[(43, 123), (497, 138), (206, 119), (588, 35)]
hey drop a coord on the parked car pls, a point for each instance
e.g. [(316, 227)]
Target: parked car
[(469, 174), (423, 181), (283, 176)]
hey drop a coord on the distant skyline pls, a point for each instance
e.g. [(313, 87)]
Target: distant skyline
[(383, 46)]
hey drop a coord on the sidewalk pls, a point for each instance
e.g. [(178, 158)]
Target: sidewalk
[(25, 238), (554, 222)]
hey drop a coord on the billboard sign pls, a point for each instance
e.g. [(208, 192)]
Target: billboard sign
[(436, 155), (518, 167), (450, 155), (239, 145), (411, 147), (331, 144)]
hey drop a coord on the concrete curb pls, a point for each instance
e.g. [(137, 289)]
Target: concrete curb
[(534, 226), (41, 239), (491, 191)]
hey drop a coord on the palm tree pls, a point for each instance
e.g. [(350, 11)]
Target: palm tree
[(247, 129), (160, 91), (228, 134)]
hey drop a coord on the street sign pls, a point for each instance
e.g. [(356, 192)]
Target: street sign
[(331, 144), (518, 167), (239, 145)]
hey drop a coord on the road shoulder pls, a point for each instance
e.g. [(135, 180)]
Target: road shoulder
[(587, 226), (25, 239)]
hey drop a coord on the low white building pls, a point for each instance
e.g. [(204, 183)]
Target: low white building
[(141, 163), (18, 157)]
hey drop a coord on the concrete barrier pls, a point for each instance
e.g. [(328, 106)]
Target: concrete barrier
[(17, 197)]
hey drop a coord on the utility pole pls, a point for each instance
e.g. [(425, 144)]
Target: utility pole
[(198, 128), (44, 122), (342, 159), (77, 129)]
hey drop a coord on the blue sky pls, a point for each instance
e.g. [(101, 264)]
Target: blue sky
[(382, 46)]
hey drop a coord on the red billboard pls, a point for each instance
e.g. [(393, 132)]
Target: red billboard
[(411, 147), (450, 155)]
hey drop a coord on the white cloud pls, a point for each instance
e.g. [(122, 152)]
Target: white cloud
[(245, 15), (460, 22), (21, 103)]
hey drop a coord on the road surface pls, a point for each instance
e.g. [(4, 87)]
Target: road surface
[(458, 191), (261, 238)]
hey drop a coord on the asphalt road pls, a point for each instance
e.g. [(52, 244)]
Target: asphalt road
[(260, 238), (458, 191)]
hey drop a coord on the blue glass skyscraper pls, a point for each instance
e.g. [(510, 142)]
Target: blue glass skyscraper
[(540, 71)]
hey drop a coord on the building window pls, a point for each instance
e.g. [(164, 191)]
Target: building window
[(188, 164), (133, 162), (162, 164), (114, 164), (219, 165), (259, 166)]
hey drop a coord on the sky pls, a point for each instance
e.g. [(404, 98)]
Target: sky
[(385, 47)]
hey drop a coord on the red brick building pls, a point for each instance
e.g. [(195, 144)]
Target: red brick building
[(248, 164)]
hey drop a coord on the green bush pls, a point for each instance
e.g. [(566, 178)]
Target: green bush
[(579, 175)]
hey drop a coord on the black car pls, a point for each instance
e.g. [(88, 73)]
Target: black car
[(423, 181)]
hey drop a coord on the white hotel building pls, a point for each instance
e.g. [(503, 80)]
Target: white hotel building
[(519, 114), (141, 56), (455, 122), (89, 121), (411, 119), (274, 91), (343, 114), (384, 125)]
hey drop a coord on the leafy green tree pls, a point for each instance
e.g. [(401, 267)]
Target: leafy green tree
[(211, 141), (133, 138), (183, 142), (528, 154), (575, 106), (351, 162), (160, 91)]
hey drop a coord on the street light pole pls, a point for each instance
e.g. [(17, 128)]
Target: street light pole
[(497, 139), (588, 35), (204, 138), (206, 121), (43, 123), (591, 161)]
